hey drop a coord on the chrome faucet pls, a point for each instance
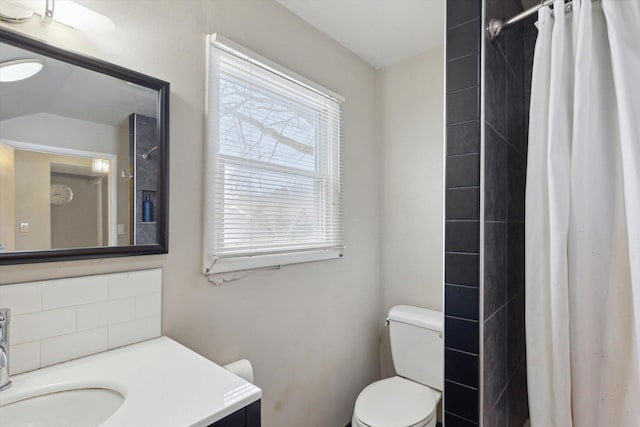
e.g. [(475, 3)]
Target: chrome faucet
[(5, 382)]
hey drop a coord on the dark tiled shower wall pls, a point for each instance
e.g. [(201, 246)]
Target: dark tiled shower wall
[(508, 63), (462, 216), (144, 136)]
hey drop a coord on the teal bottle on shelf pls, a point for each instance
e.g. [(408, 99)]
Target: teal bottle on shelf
[(147, 210)]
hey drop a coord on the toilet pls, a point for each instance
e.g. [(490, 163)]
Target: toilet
[(411, 398)]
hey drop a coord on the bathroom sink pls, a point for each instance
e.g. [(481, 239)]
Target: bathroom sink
[(83, 407), (128, 386)]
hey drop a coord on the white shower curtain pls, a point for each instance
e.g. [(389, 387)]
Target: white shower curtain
[(583, 217)]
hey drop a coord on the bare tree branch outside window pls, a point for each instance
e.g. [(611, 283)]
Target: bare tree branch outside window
[(279, 135)]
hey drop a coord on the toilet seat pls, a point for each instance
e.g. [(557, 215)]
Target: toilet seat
[(396, 402)]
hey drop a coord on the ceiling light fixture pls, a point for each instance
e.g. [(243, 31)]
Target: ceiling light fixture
[(20, 69), (65, 12), (101, 165), (13, 13)]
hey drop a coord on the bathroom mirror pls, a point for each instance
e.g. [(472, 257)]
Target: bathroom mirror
[(83, 156)]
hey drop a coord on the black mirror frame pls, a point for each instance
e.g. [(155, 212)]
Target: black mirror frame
[(97, 65)]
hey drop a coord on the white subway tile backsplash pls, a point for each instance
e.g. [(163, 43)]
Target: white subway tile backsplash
[(134, 283), (24, 357), (78, 290), (21, 299), (135, 331), (79, 344), (45, 324), (57, 320), (106, 313), (148, 305)]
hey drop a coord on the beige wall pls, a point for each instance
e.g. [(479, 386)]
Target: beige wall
[(310, 330), (7, 198), (32, 174), (410, 112), (124, 186), (33, 201)]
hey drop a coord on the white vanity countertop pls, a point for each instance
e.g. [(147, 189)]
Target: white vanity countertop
[(164, 384)]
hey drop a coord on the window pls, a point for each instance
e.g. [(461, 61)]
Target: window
[(273, 164)]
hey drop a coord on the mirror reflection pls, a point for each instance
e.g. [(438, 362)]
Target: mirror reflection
[(79, 156)]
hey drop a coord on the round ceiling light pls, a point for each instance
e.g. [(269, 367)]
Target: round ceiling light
[(13, 71), (14, 13)]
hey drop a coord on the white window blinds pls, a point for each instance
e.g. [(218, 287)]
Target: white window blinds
[(273, 164)]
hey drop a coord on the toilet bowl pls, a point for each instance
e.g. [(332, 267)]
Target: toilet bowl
[(396, 402), (411, 398)]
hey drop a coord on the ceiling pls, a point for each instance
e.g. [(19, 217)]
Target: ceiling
[(381, 32), (70, 91)]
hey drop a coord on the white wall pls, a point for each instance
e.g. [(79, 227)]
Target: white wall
[(58, 131), (310, 330), (410, 117)]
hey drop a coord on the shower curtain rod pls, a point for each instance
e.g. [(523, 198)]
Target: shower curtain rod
[(497, 25)]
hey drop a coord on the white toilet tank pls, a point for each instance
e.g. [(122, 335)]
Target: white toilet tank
[(417, 344)]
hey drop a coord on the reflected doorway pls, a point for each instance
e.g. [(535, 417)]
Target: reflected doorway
[(81, 220)]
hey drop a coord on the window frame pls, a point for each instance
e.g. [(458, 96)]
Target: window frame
[(213, 264)]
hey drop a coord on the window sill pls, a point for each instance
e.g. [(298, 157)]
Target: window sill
[(227, 265)]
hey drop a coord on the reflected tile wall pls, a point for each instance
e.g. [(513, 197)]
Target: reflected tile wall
[(144, 136)]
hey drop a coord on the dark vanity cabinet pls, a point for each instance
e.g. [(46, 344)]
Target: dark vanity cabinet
[(249, 416)]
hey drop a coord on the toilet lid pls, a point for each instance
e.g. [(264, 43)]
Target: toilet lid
[(396, 402)]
